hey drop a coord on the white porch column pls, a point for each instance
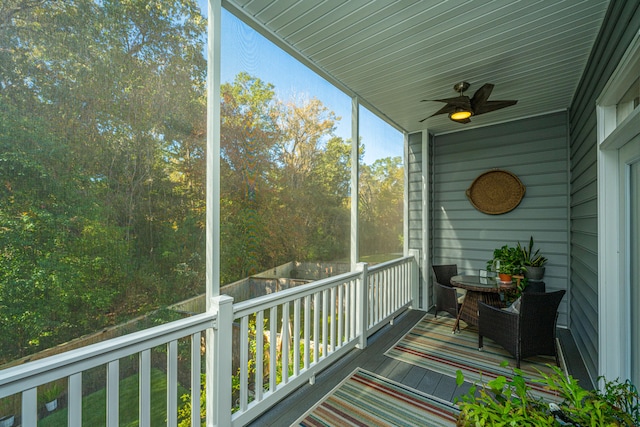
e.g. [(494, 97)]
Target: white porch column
[(426, 222), (213, 153), (219, 358), (405, 206), (355, 166), (218, 343)]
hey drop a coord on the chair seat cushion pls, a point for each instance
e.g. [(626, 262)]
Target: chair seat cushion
[(515, 307)]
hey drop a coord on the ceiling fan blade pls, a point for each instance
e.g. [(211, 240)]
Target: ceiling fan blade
[(447, 109), (489, 106), (482, 95), (458, 101), (452, 104), (444, 110)]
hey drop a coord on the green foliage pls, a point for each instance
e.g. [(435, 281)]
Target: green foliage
[(103, 173), (623, 398), (98, 153), (505, 260), (530, 258), (381, 206), (508, 402), (185, 410), (7, 406), (50, 393), (57, 267)]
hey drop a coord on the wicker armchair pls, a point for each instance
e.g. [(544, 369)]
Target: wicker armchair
[(444, 273), (445, 295), (529, 332), (446, 299)]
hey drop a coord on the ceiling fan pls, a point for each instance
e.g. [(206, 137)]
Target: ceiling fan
[(461, 108)]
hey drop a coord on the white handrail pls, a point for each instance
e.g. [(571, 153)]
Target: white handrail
[(287, 295), (314, 324), (346, 310), (32, 374)]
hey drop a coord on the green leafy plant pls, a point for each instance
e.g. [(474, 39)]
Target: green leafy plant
[(184, 412), (506, 260), (622, 397), (529, 258), (508, 402), (50, 393)]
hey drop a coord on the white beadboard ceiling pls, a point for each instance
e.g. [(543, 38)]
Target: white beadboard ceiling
[(393, 54)]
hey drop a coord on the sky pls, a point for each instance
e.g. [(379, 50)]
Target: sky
[(243, 49)]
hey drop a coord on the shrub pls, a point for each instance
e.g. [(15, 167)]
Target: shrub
[(508, 402)]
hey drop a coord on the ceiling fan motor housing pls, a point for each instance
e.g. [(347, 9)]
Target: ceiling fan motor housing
[(461, 87)]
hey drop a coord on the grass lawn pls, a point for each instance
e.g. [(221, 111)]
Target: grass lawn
[(379, 258), (376, 258), (94, 405)]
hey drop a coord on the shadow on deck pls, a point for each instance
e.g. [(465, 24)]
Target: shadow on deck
[(373, 359)]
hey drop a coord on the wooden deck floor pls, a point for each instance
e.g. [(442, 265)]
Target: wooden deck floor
[(373, 359)]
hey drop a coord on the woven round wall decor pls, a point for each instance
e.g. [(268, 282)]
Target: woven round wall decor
[(496, 192)]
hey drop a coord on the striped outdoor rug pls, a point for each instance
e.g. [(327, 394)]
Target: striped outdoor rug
[(366, 399), (431, 345)]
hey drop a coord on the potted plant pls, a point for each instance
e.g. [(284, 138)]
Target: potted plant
[(532, 262), (504, 401), (50, 396), (506, 262)]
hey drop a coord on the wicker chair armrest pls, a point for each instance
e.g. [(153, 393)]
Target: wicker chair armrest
[(493, 314), (498, 325)]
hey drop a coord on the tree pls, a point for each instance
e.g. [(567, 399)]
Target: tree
[(60, 265), (103, 175), (381, 206), (100, 132), (284, 180), (249, 133)]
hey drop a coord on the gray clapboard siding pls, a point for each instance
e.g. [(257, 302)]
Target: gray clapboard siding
[(619, 27), (460, 235), (536, 150)]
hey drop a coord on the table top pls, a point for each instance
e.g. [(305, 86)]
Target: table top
[(480, 284)]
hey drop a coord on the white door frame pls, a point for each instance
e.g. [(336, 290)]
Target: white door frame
[(613, 308), (629, 157)]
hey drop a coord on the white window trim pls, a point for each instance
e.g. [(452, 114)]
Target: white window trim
[(613, 311)]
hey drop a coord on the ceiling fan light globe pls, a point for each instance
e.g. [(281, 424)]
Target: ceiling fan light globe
[(460, 114)]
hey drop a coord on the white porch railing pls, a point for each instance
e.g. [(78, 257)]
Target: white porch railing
[(279, 342)]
